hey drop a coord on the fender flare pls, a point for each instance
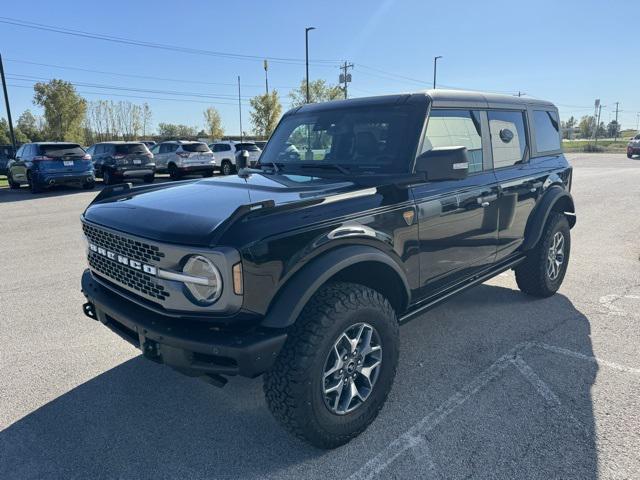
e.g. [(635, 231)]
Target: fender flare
[(541, 213), (299, 289)]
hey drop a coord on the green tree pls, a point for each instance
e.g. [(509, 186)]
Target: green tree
[(214, 123), (613, 129), (586, 126), (172, 130), (319, 91), (28, 126), (265, 113), (5, 137), (64, 109)]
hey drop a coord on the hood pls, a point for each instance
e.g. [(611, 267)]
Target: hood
[(189, 212)]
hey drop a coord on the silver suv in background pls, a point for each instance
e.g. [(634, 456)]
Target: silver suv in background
[(227, 151), (181, 157)]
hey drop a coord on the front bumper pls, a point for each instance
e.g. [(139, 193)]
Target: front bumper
[(137, 171), (193, 348), (633, 150)]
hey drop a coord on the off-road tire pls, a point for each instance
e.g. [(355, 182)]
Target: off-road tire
[(531, 275), (293, 387)]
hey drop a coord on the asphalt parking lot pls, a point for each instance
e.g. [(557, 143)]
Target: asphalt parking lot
[(492, 384)]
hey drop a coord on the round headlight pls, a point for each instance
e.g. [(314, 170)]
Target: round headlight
[(207, 285)]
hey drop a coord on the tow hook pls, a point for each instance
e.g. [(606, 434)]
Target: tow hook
[(89, 310)]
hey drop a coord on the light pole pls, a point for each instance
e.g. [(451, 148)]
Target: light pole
[(306, 48), (435, 69)]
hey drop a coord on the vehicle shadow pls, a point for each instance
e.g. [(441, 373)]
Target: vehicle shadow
[(142, 420)]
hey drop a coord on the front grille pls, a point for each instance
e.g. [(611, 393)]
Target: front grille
[(135, 280), (137, 250), (126, 276)]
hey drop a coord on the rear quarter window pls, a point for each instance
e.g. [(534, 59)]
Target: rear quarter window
[(547, 131)]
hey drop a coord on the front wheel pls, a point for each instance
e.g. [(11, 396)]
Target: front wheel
[(227, 168), (12, 184), (337, 367), (542, 272), (174, 173)]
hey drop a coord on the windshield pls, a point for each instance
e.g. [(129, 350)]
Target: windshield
[(60, 150), (375, 139), (195, 147), (132, 149)]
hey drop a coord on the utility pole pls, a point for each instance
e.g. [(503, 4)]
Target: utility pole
[(240, 111), (435, 69), (617, 128), (266, 77), (345, 77), (638, 122), (598, 122), (6, 102), (521, 93), (306, 49)]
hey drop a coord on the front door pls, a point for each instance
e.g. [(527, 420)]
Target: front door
[(457, 218)]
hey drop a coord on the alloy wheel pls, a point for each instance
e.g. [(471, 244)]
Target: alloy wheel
[(352, 368), (555, 256)]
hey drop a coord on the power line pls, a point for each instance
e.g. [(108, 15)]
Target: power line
[(128, 89), (131, 75), (108, 94), (159, 46)]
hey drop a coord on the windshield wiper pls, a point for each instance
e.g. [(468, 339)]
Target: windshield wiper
[(333, 166)]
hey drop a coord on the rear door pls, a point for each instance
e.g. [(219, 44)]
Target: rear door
[(457, 218), (19, 165), (520, 181)]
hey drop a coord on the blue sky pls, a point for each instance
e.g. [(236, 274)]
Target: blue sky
[(569, 52)]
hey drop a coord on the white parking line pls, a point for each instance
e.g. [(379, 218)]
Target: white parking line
[(414, 438)]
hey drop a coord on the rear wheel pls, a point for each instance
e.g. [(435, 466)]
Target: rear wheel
[(174, 173), (336, 369), (226, 167), (542, 272), (629, 155), (89, 185), (34, 186), (149, 178), (107, 177)]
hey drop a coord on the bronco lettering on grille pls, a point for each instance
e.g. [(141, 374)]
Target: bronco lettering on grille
[(136, 265)]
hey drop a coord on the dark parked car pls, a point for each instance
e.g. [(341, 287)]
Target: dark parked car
[(6, 154), (365, 214), (633, 147), (45, 164), (261, 144), (116, 161)]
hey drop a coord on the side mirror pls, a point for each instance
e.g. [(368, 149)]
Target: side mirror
[(242, 160), (446, 163)]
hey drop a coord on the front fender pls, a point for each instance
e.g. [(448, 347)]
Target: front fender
[(555, 198), (299, 289)]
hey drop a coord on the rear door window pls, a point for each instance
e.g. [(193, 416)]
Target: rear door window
[(508, 137), (456, 128), (547, 131)]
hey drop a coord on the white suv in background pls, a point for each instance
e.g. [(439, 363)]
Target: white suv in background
[(181, 157), (226, 152)]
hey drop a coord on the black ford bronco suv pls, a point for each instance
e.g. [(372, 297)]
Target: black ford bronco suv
[(361, 215)]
